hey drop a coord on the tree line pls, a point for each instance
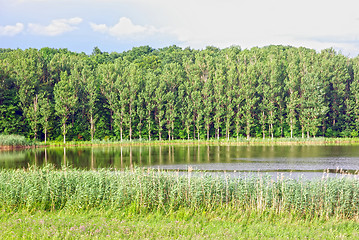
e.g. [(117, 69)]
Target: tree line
[(174, 93)]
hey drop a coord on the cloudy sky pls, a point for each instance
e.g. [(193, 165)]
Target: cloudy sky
[(119, 25)]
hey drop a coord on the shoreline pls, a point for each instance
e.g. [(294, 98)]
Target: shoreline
[(11, 148), (231, 142)]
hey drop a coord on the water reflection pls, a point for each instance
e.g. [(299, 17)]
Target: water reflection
[(235, 159)]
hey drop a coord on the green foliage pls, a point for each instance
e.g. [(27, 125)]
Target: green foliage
[(147, 190), (14, 141), (182, 224), (175, 93), (65, 100)]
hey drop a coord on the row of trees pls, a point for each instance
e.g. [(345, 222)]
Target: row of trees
[(175, 93)]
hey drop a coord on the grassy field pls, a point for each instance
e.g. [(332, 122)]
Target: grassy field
[(182, 224)]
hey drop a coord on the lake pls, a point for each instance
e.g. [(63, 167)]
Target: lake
[(293, 161)]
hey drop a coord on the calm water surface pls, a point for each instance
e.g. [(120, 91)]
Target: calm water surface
[(293, 161)]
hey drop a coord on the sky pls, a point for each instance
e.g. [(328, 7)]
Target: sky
[(120, 25)]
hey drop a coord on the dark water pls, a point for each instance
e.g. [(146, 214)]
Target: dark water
[(293, 161)]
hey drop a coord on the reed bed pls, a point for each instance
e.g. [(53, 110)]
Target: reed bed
[(146, 190), (231, 141), (14, 141)]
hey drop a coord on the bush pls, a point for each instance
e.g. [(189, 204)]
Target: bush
[(14, 140)]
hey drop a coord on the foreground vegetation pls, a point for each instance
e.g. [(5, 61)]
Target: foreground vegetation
[(144, 203), (182, 224), (151, 190), (174, 93)]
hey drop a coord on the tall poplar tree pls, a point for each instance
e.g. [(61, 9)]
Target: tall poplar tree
[(65, 100), (27, 70), (292, 83), (91, 88)]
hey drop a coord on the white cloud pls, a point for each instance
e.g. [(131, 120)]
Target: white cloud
[(315, 24), (125, 29), (11, 30), (56, 27)]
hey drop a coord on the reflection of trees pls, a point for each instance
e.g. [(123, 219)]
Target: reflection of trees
[(45, 156), (131, 165), (149, 155), (130, 156), (92, 159), (65, 157), (12, 159)]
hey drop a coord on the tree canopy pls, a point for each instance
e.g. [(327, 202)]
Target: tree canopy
[(175, 93)]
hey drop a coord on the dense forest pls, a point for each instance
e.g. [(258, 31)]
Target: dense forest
[(175, 93)]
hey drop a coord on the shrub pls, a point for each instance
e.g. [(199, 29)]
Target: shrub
[(14, 140)]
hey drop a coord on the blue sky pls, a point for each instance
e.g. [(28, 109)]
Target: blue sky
[(119, 25)]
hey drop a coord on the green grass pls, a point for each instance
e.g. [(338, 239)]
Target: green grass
[(14, 141), (183, 224)]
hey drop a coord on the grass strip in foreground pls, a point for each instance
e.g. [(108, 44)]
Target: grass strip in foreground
[(182, 224)]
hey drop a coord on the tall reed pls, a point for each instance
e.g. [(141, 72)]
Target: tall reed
[(14, 141), (156, 190)]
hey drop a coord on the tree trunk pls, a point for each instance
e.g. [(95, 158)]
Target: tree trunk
[(172, 129), (302, 132), (130, 129), (159, 129), (111, 120), (121, 132), (64, 132), (194, 131), (271, 125), (92, 127), (130, 122), (207, 132), (35, 110), (263, 127), (139, 130)]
